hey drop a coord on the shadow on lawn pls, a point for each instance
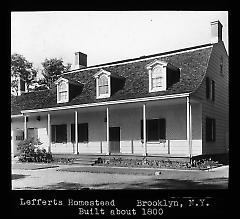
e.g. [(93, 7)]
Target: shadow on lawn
[(18, 176), (216, 183)]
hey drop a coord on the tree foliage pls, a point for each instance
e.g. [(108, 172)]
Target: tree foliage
[(23, 68), (52, 69)]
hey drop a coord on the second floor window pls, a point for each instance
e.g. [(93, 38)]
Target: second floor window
[(210, 89), (156, 77), (103, 85), (221, 65), (62, 92)]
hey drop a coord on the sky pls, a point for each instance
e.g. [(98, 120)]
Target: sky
[(107, 36)]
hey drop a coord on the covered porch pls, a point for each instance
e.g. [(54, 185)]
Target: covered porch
[(168, 127)]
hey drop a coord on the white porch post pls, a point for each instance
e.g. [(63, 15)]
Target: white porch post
[(189, 126), (49, 131), (144, 130), (25, 127), (108, 146), (76, 131)]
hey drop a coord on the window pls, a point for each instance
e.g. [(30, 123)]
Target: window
[(32, 133), (157, 71), (210, 129), (62, 92), (155, 128), (59, 133), (221, 65), (82, 132), (156, 77), (210, 89), (103, 85)]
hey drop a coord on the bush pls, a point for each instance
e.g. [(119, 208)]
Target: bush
[(30, 152)]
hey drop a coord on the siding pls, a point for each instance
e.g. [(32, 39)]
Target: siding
[(219, 109)]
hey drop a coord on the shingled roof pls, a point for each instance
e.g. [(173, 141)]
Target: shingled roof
[(192, 61)]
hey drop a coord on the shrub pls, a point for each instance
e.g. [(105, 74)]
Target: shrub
[(30, 152)]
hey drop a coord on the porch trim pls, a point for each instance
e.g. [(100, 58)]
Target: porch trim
[(17, 116), (25, 127), (144, 99), (49, 131), (76, 131)]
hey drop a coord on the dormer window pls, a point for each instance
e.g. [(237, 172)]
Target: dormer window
[(62, 90), (162, 75), (103, 86), (157, 77)]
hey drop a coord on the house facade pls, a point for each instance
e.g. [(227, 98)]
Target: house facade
[(169, 104)]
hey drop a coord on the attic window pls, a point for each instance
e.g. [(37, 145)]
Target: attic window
[(103, 86), (157, 77), (62, 91), (221, 65)]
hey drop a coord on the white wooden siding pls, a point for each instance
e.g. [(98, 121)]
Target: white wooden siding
[(219, 109)]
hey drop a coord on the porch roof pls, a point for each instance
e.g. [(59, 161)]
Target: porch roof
[(192, 61)]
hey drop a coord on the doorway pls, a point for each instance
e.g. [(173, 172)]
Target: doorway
[(114, 139)]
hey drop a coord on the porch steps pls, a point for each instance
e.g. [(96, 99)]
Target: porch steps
[(86, 160)]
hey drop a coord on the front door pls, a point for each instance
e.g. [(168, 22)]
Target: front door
[(114, 139)]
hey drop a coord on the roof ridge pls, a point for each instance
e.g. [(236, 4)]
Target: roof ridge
[(141, 57)]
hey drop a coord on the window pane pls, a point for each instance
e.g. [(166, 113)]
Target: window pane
[(62, 87), (213, 90), (62, 96), (157, 82), (103, 89), (156, 72), (59, 133), (156, 129), (210, 129), (82, 132), (103, 80)]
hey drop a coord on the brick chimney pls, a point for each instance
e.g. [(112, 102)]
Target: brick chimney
[(80, 60), (216, 31)]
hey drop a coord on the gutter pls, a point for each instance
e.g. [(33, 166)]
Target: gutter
[(107, 103)]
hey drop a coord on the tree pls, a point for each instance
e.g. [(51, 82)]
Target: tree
[(52, 69), (22, 68)]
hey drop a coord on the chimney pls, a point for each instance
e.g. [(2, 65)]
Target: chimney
[(80, 60), (216, 31)]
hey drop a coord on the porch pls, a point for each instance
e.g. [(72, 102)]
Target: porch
[(168, 127)]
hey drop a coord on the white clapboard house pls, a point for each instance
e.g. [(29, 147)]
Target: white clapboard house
[(168, 104)]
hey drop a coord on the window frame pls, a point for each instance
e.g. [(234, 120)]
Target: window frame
[(221, 66), (54, 134), (210, 89), (163, 75), (161, 134), (210, 129), (81, 139), (59, 91), (97, 77)]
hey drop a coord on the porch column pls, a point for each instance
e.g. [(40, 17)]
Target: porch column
[(25, 127), (189, 126), (108, 146), (49, 131), (144, 130), (76, 131)]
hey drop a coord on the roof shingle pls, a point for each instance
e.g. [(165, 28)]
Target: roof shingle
[(193, 64)]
